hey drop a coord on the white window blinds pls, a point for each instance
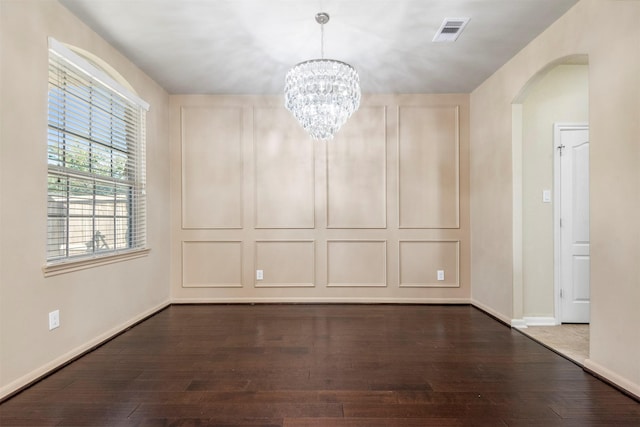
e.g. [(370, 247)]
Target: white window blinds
[(96, 162)]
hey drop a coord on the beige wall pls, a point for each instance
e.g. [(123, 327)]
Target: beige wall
[(561, 96), (608, 32), (95, 302), (343, 221), (369, 216)]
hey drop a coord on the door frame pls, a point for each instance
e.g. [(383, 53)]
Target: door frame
[(558, 127)]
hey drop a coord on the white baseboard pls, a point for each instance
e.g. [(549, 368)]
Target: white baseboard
[(491, 311), (533, 321), (315, 300), (614, 378), (518, 323), (59, 361), (540, 321)]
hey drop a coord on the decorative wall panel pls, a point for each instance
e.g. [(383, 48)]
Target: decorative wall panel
[(356, 172), (420, 260), (428, 167), (212, 167), (285, 263), (357, 263), (215, 264), (284, 171), (369, 216)]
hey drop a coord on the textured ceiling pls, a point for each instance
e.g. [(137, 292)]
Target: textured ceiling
[(247, 46)]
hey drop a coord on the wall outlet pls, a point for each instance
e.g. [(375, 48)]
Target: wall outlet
[(54, 319), (259, 274), (440, 274)]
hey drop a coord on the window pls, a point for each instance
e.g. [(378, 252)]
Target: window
[(96, 162)]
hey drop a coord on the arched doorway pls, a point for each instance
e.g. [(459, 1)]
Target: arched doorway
[(557, 94)]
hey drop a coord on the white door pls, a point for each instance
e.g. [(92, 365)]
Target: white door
[(572, 195)]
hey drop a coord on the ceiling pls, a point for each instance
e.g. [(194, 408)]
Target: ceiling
[(247, 46)]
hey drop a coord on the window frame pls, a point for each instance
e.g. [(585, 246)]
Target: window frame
[(99, 79)]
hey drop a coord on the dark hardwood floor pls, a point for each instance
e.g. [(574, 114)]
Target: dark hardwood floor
[(321, 365)]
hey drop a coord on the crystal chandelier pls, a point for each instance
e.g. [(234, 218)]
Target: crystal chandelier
[(322, 93)]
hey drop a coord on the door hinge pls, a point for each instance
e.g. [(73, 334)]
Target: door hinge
[(560, 222), (561, 147), (560, 293)]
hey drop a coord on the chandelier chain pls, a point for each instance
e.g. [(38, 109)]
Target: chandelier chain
[(322, 41)]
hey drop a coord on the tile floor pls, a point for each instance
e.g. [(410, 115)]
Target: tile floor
[(570, 340)]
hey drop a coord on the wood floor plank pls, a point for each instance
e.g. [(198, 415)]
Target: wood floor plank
[(231, 412), (321, 365), (390, 422)]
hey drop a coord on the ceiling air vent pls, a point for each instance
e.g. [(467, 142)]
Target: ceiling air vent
[(450, 29)]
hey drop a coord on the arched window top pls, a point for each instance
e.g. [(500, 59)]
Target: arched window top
[(101, 65), (97, 68)]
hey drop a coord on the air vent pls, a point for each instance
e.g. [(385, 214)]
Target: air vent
[(450, 29)]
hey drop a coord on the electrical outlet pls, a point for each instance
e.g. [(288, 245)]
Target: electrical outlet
[(440, 274), (259, 274), (54, 319)]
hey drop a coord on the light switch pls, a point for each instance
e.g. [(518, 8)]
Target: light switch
[(546, 196)]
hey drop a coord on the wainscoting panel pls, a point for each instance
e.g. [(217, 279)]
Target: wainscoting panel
[(356, 172), (285, 263), (369, 216), (428, 167), (284, 171), (212, 264), (357, 263), (420, 260), (212, 167)]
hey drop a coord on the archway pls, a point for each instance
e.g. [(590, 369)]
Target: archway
[(558, 93)]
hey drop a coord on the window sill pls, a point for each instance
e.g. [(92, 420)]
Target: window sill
[(82, 264)]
